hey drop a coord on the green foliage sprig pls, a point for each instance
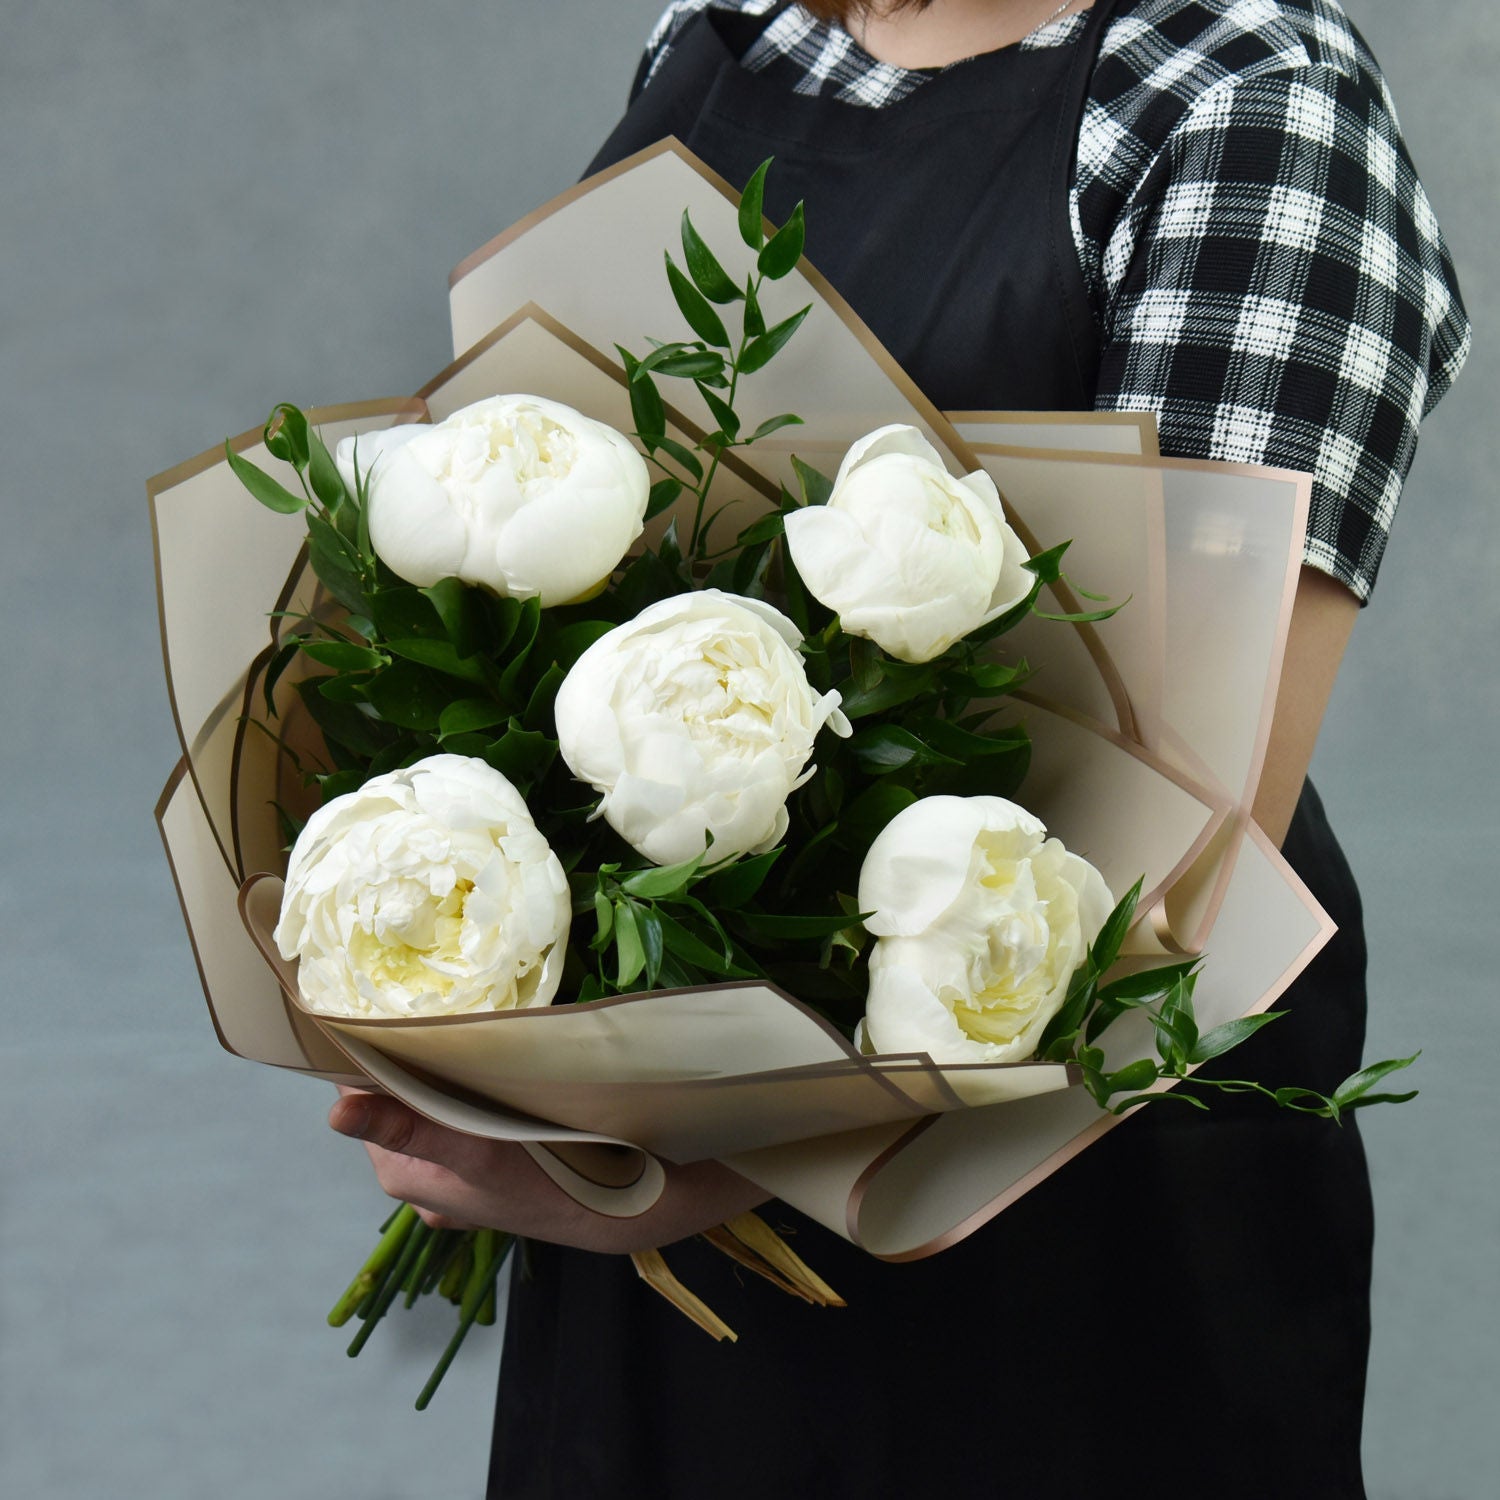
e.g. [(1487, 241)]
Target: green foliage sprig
[(716, 360), (1165, 994)]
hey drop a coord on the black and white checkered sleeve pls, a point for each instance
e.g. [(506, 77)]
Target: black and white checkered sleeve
[(1279, 293)]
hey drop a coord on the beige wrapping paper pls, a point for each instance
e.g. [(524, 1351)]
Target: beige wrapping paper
[(1149, 729)]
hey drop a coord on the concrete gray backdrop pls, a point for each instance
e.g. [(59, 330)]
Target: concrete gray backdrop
[(211, 207)]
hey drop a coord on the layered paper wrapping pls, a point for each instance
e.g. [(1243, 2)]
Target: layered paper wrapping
[(1149, 731)]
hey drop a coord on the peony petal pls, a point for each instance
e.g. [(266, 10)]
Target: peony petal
[(918, 865), (902, 1014), (896, 438), (413, 527)]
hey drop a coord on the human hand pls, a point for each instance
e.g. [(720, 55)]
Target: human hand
[(458, 1181)]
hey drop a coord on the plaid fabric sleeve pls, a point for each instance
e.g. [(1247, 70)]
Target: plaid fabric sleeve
[(1279, 294)]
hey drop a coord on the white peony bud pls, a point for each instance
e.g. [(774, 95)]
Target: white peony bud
[(905, 554), (521, 495), (429, 891), (695, 718), (981, 923)]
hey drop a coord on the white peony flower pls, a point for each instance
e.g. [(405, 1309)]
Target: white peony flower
[(428, 891), (521, 495), (695, 718), (981, 923), (906, 555)]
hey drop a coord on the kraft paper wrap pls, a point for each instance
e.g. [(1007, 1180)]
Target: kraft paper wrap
[(1150, 731)]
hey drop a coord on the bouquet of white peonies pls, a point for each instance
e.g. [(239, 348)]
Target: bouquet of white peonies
[(538, 730)]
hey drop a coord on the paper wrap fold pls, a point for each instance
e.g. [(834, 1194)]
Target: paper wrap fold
[(1150, 731)]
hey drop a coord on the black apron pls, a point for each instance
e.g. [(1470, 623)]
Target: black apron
[(1183, 1309)]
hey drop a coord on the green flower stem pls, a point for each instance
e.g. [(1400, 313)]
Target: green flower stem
[(452, 1284), (412, 1285), (372, 1274), (490, 1252), (452, 1244), (713, 465), (429, 1266), (415, 1239)]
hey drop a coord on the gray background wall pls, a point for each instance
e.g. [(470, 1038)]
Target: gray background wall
[(211, 207)]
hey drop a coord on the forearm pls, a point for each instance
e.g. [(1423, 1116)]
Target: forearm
[(1322, 617)]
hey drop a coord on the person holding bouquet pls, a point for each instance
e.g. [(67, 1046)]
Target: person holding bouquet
[(1200, 208)]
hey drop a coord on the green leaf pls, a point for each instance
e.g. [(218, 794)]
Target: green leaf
[(695, 307), (724, 413), (1218, 1041), (539, 713), (666, 880), (630, 952), (752, 207), (755, 319), (762, 530), (441, 656), (683, 944), (648, 920), (519, 648), (1358, 1084), (683, 454), (404, 613), (1106, 947), (262, 486), (455, 603), (573, 640), (1166, 1096), (703, 266), (1008, 621), (340, 783), (796, 601), (887, 747), (816, 486), (345, 656), (691, 365), (1080, 616), (1148, 984), (604, 916), (645, 401), (663, 495), (770, 925), (964, 744), (1176, 1036), (410, 696), (646, 581), (342, 723), (993, 678), (862, 820), (336, 563), (466, 715), (1047, 566), (323, 474), (759, 352), (894, 687), (281, 659), (285, 435), (713, 924), (784, 249), (732, 885), (866, 662), (774, 424), (1367, 1099), (346, 689), (521, 754), (1140, 1074)]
